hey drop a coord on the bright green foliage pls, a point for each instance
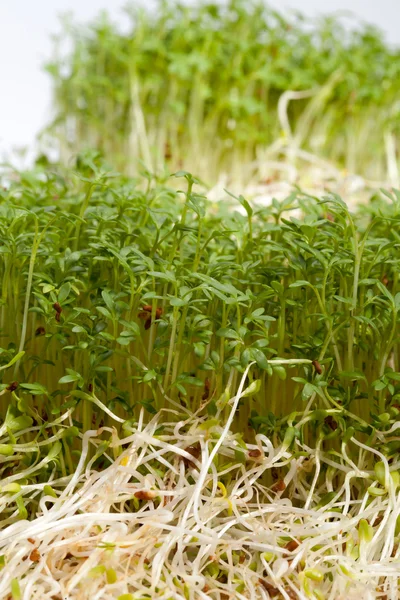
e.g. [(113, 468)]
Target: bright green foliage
[(137, 295), (199, 86), (142, 296)]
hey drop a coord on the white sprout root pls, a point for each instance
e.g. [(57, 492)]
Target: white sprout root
[(183, 511)]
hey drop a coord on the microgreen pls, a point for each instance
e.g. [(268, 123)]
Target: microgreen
[(273, 332), (138, 303), (238, 88)]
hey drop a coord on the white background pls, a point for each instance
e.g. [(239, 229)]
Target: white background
[(26, 27)]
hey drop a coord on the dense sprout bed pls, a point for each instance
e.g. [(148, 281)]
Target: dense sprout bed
[(196, 401), (175, 515), (235, 87)]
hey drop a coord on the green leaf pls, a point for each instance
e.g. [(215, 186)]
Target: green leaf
[(106, 313), (365, 531), (111, 576), (308, 391), (64, 292), (385, 291), (15, 590), (300, 283), (353, 375), (290, 434), (68, 379), (393, 375), (178, 302), (36, 389), (252, 389), (108, 300), (379, 385), (280, 371), (23, 513), (79, 329), (104, 369), (6, 450), (278, 287), (167, 276), (11, 488), (344, 300), (15, 359), (379, 469), (260, 358), (199, 349), (368, 281), (246, 206), (15, 421), (228, 333), (209, 424), (54, 451)]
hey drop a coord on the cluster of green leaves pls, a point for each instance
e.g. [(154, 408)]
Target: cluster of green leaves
[(201, 83), (140, 293), (121, 294)]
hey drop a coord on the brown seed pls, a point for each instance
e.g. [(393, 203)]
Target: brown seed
[(206, 394), (167, 151), (317, 366), (57, 317), (31, 541), (385, 280), (40, 331), (271, 589), (143, 315), (145, 495), (292, 545), (206, 588), (275, 473), (330, 421), (147, 308), (194, 451), (279, 486), (57, 307), (378, 520), (35, 555), (12, 386), (254, 453)]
